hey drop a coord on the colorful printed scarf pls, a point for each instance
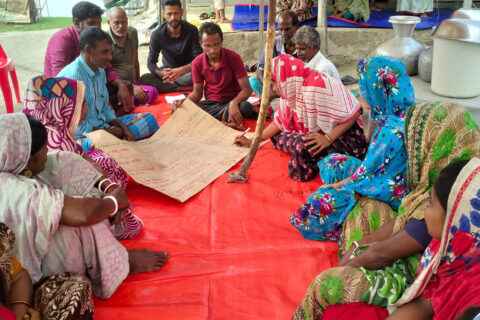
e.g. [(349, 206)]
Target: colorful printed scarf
[(310, 102), (381, 176), (437, 134), (386, 86), (57, 103), (450, 267)]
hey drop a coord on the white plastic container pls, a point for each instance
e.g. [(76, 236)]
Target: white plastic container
[(456, 59)]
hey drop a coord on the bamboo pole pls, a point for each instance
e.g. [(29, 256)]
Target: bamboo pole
[(322, 23), (261, 29), (241, 176)]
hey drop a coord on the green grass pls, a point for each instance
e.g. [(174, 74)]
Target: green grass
[(42, 24)]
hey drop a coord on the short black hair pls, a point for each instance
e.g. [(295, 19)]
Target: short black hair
[(292, 15), (446, 178), (210, 28), (39, 134), (172, 3), (91, 36), (85, 10)]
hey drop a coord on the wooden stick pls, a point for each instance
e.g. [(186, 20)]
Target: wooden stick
[(241, 176)]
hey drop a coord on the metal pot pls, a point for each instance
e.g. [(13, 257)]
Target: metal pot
[(403, 46), (425, 64), (456, 67)]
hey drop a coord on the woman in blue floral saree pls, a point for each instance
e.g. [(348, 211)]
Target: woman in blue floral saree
[(386, 89)]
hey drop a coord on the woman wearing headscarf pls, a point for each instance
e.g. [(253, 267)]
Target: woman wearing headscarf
[(448, 283), (58, 233), (317, 115), (385, 90), (59, 104), (376, 269)]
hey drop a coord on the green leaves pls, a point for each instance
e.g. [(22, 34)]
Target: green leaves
[(471, 123), (374, 221), (332, 290), (444, 145)]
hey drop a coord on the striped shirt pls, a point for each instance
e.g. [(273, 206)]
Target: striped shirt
[(96, 95)]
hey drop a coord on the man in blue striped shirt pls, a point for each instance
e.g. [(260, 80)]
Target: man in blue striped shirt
[(96, 51)]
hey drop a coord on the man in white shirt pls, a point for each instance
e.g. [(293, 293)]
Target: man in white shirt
[(307, 43)]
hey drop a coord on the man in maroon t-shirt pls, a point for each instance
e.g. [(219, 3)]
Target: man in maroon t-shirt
[(219, 73)]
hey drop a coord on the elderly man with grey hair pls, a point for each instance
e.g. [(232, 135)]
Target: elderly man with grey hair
[(307, 43)]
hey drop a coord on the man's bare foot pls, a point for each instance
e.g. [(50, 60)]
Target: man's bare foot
[(224, 20), (375, 8), (424, 15), (144, 260)]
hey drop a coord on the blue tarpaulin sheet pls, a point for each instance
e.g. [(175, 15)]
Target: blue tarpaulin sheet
[(246, 17)]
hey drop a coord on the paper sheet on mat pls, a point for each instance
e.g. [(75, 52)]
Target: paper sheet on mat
[(186, 154)]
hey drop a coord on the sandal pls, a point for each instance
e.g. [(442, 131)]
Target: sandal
[(204, 16), (212, 15)]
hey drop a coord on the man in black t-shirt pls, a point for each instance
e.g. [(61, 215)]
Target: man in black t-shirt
[(178, 42)]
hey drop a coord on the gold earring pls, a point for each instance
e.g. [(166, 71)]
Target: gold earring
[(27, 173)]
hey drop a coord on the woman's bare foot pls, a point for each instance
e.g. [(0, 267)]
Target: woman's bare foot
[(424, 15), (224, 20), (144, 260)]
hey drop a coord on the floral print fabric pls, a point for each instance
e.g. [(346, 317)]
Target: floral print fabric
[(450, 267), (437, 134), (386, 86), (303, 165), (382, 175), (342, 285)]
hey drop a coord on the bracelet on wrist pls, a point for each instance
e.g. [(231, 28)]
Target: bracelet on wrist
[(111, 184), (101, 182), (115, 202), (328, 139), (356, 244), (20, 301)]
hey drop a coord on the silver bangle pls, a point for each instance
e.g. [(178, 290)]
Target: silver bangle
[(115, 202), (101, 182), (111, 184)]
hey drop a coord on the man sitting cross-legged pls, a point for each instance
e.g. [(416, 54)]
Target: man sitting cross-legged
[(96, 51), (125, 55), (177, 40), (219, 74), (63, 48)]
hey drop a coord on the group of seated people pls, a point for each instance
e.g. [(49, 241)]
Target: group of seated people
[(64, 206)]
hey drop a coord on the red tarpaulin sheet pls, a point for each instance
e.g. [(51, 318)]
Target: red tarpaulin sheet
[(233, 252)]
